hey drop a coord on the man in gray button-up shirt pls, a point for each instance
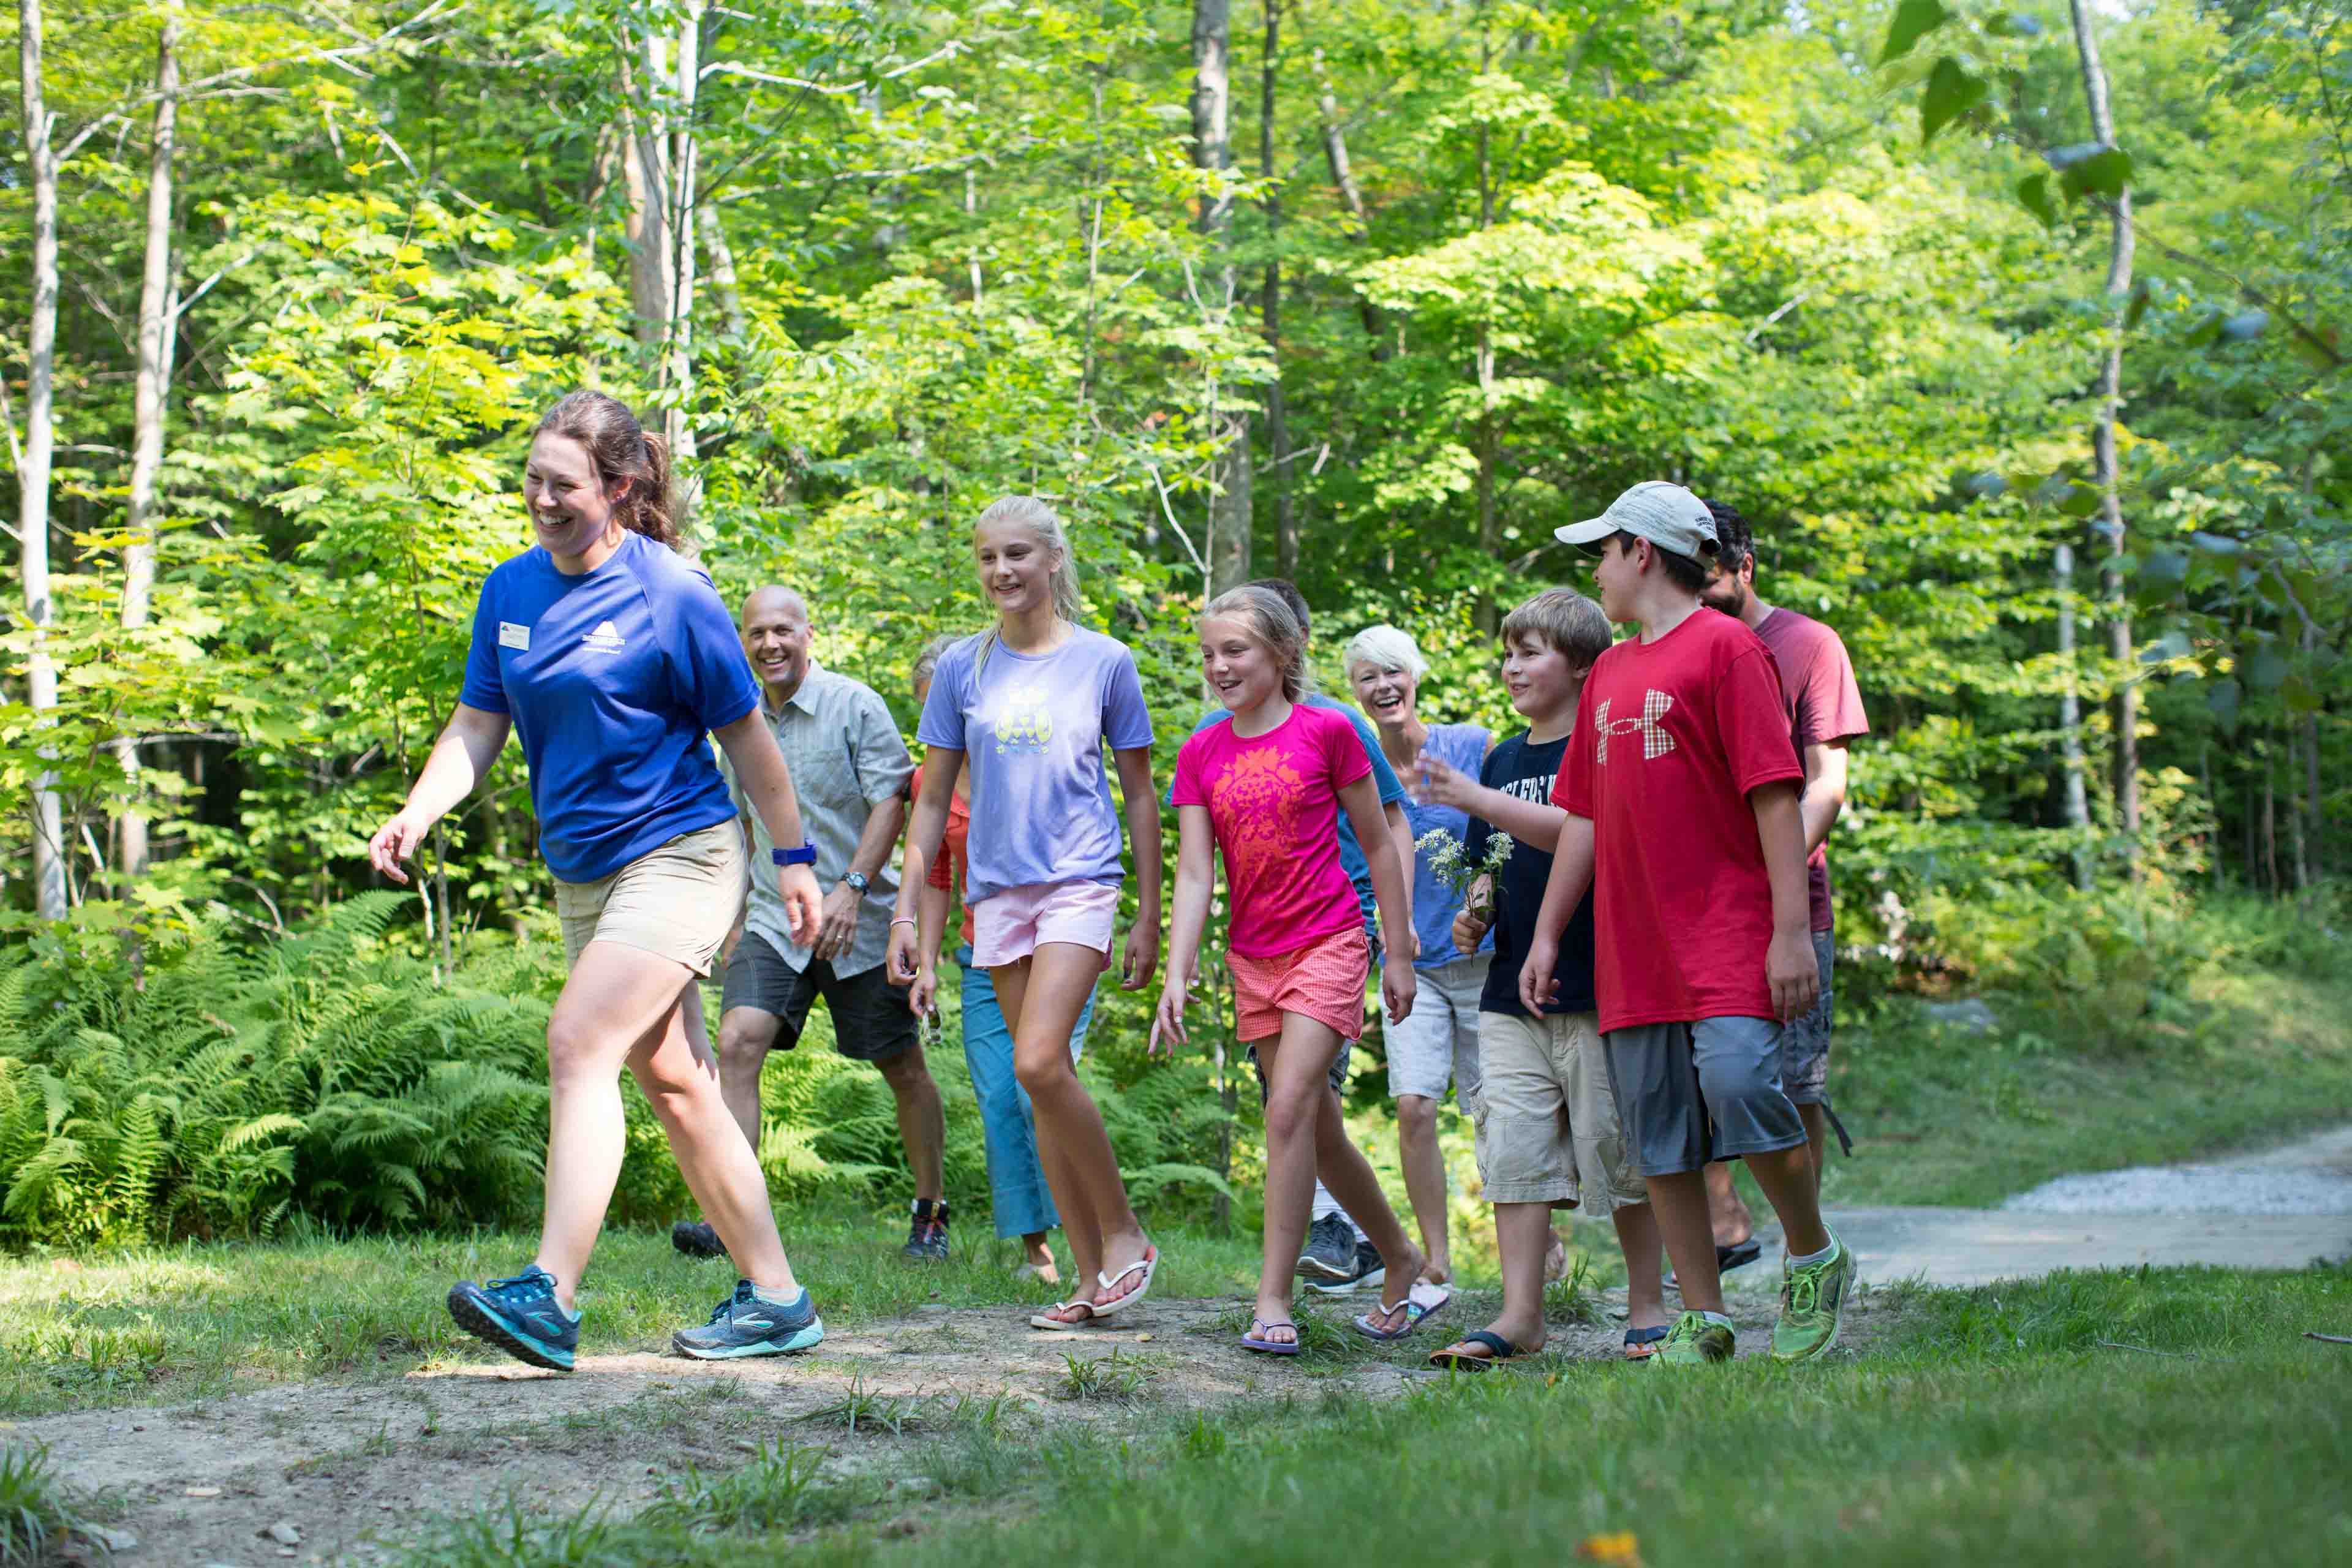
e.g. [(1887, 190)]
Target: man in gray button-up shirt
[(850, 769)]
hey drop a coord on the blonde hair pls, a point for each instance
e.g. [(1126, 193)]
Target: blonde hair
[(1272, 623), (1384, 648), (1029, 512), (1565, 619)]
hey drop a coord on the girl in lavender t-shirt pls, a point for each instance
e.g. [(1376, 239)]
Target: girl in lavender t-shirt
[(1265, 785), (1030, 706)]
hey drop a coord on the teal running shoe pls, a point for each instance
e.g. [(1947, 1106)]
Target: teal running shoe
[(520, 1316), (744, 1325)]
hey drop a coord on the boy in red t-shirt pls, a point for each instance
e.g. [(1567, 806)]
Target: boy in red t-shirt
[(1681, 788)]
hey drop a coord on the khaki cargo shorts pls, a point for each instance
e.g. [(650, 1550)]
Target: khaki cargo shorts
[(1548, 1131), (678, 899)]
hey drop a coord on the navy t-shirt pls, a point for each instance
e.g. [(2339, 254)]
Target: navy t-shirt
[(1528, 773), (614, 679)]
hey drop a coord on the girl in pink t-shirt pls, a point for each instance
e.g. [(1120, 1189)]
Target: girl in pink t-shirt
[(1265, 786)]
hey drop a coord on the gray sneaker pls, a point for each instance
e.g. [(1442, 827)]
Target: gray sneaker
[(744, 1325), (1330, 1251), (1363, 1270)]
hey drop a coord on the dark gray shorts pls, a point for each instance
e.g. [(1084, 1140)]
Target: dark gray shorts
[(1673, 1082), (871, 1021), (1805, 1044)]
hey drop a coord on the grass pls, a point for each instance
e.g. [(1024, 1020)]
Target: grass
[(1940, 1115), (2150, 1417), (158, 1325)]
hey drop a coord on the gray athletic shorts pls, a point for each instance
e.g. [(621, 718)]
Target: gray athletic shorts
[(1805, 1044), (1675, 1083)]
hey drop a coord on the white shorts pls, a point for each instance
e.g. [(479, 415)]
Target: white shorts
[(1007, 927)]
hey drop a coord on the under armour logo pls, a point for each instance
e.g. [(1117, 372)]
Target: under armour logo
[(1656, 742)]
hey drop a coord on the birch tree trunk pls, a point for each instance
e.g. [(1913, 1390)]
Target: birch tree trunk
[(1277, 428), (724, 285), (1230, 473), (149, 401), (659, 156), (2103, 438), (40, 445), (2070, 708), (1490, 535), (1351, 196)]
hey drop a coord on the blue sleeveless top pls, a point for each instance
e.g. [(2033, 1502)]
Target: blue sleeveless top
[(1461, 747)]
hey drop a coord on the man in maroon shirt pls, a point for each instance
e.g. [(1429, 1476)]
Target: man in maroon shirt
[(1825, 705)]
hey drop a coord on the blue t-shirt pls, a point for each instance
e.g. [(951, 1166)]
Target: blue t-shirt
[(1463, 748), (1031, 730), (614, 679), (1351, 852)]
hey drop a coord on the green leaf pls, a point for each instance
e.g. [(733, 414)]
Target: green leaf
[(1951, 92), (2137, 308), (2034, 191), (2266, 670), (2169, 566), (2081, 500), (2103, 173), (2216, 544), (2245, 326), (1913, 20)]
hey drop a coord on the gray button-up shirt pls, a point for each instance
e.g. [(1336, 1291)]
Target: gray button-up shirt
[(846, 758)]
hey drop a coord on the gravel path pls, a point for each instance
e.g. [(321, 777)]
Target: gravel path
[(2310, 1177)]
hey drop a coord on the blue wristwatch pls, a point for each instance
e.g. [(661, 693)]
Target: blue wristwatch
[(803, 856)]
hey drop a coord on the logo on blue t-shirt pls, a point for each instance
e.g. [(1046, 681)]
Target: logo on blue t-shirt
[(605, 638)]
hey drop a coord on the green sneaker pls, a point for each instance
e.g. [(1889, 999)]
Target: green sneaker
[(1694, 1341), (1813, 1306)]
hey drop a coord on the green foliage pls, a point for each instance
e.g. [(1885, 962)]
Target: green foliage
[(35, 1515)]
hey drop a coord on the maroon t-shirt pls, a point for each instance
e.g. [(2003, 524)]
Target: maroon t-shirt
[(1825, 705)]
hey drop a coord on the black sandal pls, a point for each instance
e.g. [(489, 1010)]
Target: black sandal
[(1454, 1361)]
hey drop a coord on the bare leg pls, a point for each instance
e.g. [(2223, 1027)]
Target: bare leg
[(746, 1036), (1061, 977), (1038, 1255), (621, 1006), (1789, 1182), (1730, 1216), (1425, 1180), (1351, 1180), (1079, 1227), (1679, 1204), (922, 1121), (1817, 1138), (1298, 1065), (1645, 1290)]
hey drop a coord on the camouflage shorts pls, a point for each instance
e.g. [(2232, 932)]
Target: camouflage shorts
[(1805, 1044)]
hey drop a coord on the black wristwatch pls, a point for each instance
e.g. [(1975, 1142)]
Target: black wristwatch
[(803, 856), (856, 882)]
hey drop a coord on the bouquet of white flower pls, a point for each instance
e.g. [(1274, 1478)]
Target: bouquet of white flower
[(1450, 862)]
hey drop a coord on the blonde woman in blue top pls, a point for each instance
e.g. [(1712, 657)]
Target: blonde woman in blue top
[(611, 656)]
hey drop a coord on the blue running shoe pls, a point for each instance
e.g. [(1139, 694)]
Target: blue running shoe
[(744, 1325), (520, 1316)]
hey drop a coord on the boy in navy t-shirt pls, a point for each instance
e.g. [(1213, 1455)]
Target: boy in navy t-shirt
[(1548, 1137)]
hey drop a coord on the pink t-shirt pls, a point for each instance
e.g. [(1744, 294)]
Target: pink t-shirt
[(1274, 802)]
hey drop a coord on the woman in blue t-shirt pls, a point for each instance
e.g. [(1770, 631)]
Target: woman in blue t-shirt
[(1031, 708), (611, 659)]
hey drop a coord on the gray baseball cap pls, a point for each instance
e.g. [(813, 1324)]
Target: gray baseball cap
[(1666, 514)]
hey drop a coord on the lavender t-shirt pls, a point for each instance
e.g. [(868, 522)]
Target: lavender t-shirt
[(1033, 732)]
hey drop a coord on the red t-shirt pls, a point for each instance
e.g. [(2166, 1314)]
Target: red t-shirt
[(1824, 704), (946, 869), (1274, 802), (1670, 737)]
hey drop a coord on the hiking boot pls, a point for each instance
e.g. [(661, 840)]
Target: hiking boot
[(695, 1238), (1694, 1341), (926, 1233), (520, 1316), (746, 1325), (1812, 1305), (1330, 1252), (1364, 1268)]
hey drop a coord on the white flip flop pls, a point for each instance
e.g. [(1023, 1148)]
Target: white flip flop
[(1148, 1264), (1040, 1321)]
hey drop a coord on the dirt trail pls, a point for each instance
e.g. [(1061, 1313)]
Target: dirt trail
[(354, 1465)]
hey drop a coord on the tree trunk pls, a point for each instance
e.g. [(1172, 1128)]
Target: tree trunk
[(2311, 796), (1489, 614), (2069, 710), (1277, 428), (32, 465), (157, 326), (2270, 823), (1343, 180), (1230, 473), (2103, 432), (723, 281), (658, 157)]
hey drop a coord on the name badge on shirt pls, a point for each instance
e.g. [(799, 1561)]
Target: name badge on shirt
[(513, 636)]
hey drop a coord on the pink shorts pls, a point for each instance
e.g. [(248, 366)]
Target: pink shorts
[(1323, 981), (1007, 927)]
